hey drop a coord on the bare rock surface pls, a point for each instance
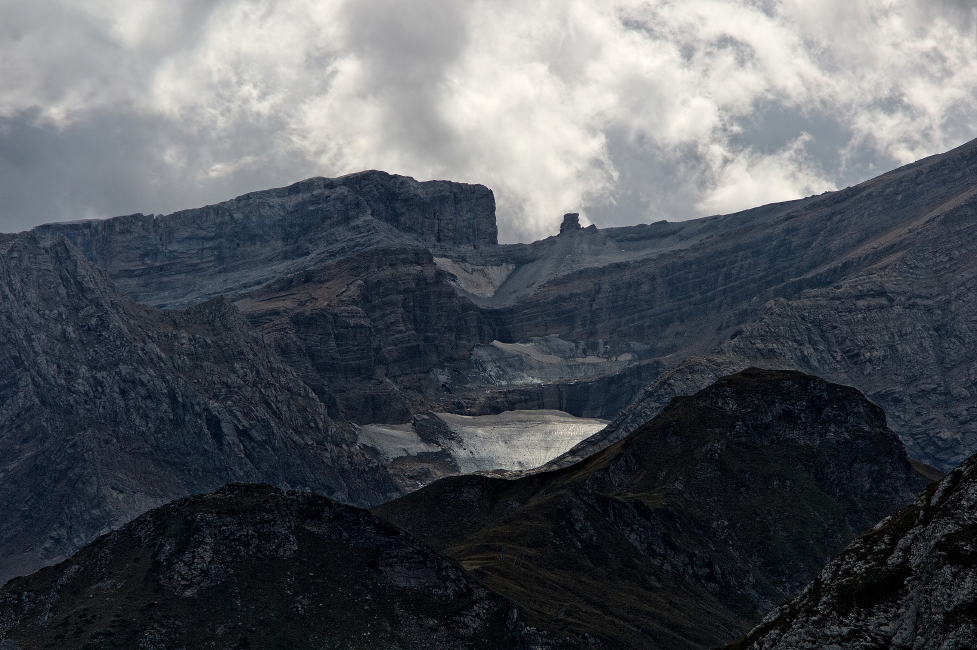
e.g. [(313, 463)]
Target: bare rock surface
[(897, 320), (250, 566), (909, 583), (390, 298), (685, 533), (178, 260), (108, 408)]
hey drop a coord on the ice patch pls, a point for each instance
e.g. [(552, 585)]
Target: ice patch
[(514, 440), (482, 281)]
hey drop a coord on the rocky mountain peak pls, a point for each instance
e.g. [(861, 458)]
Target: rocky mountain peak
[(184, 258)]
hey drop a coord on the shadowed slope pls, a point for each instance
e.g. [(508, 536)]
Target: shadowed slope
[(911, 582), (109, 408), (251, 567), (686, 532)]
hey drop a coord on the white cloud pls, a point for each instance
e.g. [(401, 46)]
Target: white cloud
[(628, 111)]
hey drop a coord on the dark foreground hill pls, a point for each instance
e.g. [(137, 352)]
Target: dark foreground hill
[(687, 532), (252, 567), (911, 582)]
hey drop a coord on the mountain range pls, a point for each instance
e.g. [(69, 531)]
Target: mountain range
[(680, 536), (364, 336)]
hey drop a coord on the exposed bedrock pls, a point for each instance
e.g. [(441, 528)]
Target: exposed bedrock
[(897, 319), (184, 258), (108, 408), (869, 286), (909, 583)]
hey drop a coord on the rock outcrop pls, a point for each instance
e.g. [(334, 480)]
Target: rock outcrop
[(910, 582), (108, 408), (181, 259), (685, 533), (252, 567)]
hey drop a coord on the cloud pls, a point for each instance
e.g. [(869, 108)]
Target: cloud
[(627, 112)]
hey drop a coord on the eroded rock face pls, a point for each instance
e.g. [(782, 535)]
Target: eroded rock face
[(407, 305), (894, 319), (108, 408), (187, 257), (251, 566), (911, 582), (685, 533)]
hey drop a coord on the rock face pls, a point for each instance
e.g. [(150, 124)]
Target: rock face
[(252, 567), (184, 258), (686, 532), (108, 408), (888, 310), (366, 332), (409, 305), (911, 582), (374, 298)]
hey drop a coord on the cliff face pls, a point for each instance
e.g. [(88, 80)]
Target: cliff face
[(187, 257), (911, 582), (108, 408), (685, 533), (366, 332), (889, 311), (433, 315), (250, 566)]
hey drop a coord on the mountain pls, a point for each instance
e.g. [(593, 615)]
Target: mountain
[(875, 291), (910, 582), (685, 533), (187, 257), (372, 299), (393, 296), (252, 567), (108, 408)]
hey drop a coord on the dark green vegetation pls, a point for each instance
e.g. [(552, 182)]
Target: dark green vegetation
[(252, 567), (686, 532), (911, 582)]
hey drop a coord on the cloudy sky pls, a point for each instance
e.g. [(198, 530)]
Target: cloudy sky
[(627, 112)]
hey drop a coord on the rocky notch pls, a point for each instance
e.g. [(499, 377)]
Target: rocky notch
[(911, 582), (685, 533), (108, 408), (252, 567)]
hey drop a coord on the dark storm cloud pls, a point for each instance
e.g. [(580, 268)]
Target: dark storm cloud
[(628, 112)]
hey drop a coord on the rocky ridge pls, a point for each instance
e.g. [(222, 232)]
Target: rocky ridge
[(251, 566), (181, 259), (910, 582), (685, 533), (896, 321)]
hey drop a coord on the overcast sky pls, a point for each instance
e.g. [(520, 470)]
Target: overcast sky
[(627, 112)]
